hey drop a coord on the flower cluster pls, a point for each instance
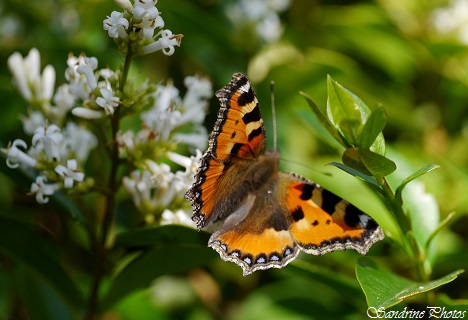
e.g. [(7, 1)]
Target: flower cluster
[(137, 26), (263, 14), (67, 123), (170, 122), (59, 147)]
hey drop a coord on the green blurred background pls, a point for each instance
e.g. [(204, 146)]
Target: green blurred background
[(411, 56)]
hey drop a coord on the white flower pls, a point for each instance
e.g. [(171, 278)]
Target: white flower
[(106, 73), (125, 4), (263, 13), (80, 74), (163, 122), (72, 63), (15, 156), (184, 179), (86, 113), (270, 28), (145, 8), (49, 139), (163, 116), (63, 99), (195, 101), (148, 25), (87, 69), (179, 217), (160, 173), (26, 73), (80, 140), (116, 25), (197, 138), (166, 43), (189, 163), (162, 179), (125, 141), (35, 120), (70, 173), (43, 190), (108, 101), (165, 97), (139, 186)]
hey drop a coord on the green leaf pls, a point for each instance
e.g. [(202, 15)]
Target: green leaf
[(165, 235), (340, 104), (40, 300), (344, 284), (349, 129), (348, 113), (445, 301), (378, 145), (171, 248), (415, 175), (322, 118), (441, 225), (372, 129), (19, 243), (385, 289), (355, 173), (420, 207), (155, 262), (368, 162)]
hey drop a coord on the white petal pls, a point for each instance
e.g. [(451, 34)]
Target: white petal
[(86, 113)]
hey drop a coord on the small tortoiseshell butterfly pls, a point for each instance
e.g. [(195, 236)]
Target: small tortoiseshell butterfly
[(266, 216)]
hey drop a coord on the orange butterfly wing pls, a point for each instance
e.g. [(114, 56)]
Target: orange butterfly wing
[(238, 137), (322, 222), (269, 230)]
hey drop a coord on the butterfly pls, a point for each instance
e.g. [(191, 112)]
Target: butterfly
[(266, 217)]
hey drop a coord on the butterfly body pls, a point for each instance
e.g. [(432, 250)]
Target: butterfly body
[(266, 216)]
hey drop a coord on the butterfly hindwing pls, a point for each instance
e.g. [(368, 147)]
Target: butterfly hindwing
[(256, 236), (291, 214), (322, 222)]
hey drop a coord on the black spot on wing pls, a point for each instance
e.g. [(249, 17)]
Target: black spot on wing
[(252, 116), (356, 218), (352, 216), (371, 224), (307, 191), (245, 98), (315, 223), (297, 214), (233, 134), (329, 201), (235, 149), (255, 133)]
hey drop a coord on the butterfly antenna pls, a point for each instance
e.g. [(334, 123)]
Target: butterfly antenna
[(273, 113)]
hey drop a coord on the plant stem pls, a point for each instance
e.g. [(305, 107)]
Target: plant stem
[(409, 241), (100, 243)]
